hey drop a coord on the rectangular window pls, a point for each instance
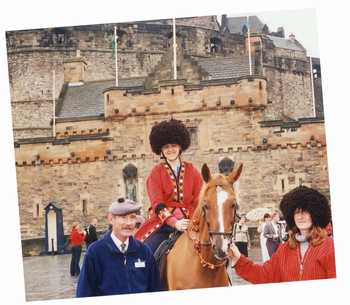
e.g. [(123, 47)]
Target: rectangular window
[(194, 135), (85, 212), (37, 209)]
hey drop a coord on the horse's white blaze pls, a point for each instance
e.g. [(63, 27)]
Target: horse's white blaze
[(221, 198)]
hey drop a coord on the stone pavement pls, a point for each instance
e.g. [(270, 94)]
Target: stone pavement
[(47, 277)]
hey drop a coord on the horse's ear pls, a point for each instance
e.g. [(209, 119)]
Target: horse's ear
[(206, 173), (234, 175)]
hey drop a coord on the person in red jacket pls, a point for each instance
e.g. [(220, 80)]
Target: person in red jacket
[(173, 185), (309, 252), (77, 237)]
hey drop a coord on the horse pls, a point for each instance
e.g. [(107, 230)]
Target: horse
[(199, 257)]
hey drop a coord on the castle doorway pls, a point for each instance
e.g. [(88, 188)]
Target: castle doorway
[(52, 231), (54, 236)]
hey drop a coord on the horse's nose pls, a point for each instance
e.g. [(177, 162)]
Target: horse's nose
[(221, 253)]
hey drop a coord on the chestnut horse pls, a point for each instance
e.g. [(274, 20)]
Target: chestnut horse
[(199, 256)]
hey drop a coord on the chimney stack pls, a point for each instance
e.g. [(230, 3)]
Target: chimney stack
[(74, 70), (280, 31)]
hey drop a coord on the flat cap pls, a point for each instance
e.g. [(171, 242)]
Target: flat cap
[(123, 206)]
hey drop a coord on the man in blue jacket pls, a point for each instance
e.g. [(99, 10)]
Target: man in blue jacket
[(117, 263)]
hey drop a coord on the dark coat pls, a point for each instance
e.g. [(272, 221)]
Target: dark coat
[(272, 242), (91, 235), (107, 271)]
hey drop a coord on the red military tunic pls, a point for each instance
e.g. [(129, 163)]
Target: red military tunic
[(177, 194), (286, 265)]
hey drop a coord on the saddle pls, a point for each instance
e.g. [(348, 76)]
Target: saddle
[(165, 247), (161, 254)]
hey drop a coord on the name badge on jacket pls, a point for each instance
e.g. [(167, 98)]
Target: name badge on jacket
[(140, 264)]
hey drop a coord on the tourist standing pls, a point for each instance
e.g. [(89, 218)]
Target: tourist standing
[(91, 233), (77, 237), (264, 253), (271, 233), (241, 235)]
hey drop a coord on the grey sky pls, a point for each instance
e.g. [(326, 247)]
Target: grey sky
[(302, 23)]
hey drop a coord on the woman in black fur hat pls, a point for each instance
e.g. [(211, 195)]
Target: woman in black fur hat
[(173, 185), (309, 252)]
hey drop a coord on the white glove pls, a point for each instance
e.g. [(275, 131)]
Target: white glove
[(234, 254), (182, 224)]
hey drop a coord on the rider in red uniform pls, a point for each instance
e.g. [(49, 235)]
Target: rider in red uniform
[(173, 185)]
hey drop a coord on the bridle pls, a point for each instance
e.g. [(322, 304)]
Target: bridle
[(198, 245), (228, 234)]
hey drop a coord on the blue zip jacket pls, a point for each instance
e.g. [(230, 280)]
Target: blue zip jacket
[(107, 271)]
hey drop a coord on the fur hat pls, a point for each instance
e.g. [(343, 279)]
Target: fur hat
[(306, 199), (169, 132)]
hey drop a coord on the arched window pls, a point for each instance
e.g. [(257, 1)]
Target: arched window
[(84, 205), (130, 180), (59, 36), (226, 166), (316, 71), (122, 39), (215, 45), (169, 40), (194, 135)]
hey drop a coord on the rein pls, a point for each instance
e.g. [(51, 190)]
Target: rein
[(193, 230), (198, 244)]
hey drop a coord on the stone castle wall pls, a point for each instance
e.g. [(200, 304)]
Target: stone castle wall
[(84, 162), (92, 170), (180, 98), (101, 182), (34, 54), (208, 22), (289, 84)]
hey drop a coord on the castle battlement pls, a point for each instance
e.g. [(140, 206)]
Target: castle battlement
[(175, 96)]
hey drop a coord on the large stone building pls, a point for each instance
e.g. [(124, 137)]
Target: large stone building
[(267, 114)]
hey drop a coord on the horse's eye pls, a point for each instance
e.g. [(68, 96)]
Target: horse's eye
[(207, 207)]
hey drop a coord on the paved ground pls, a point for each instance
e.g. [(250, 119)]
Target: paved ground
[(255, 255), (47, 277)]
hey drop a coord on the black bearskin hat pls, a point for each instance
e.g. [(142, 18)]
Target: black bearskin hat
[(169, 132), (306, 199)]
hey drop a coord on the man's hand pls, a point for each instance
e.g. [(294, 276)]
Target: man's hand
[(234, 254), (182, 224)]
